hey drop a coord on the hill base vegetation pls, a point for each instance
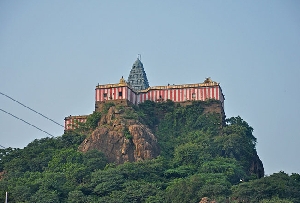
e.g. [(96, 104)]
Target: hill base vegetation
[(200, 157)]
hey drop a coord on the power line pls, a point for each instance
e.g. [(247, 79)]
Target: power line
[(32, 109), (2, 147), (26, 122)]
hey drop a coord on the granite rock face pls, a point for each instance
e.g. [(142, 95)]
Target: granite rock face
[(257, 166), (120, 139)]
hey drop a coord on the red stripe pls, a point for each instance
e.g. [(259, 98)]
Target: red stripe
[(96, 94), (209, 92), (215, 92), (187, 94), (180, 95), (174, 94)]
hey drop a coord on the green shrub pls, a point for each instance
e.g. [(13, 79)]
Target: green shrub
[(106, 107)]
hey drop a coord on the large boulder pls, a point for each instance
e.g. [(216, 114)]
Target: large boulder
[(121, 139)]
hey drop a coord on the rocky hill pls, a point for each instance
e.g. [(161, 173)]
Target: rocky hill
[(154, 152), (126, 133)]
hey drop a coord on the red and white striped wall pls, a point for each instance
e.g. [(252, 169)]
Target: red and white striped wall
[(71, 121), (111, 93), (180, 94)]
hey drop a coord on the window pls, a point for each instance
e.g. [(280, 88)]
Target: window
[(105, 95), (194, 96), (120, 94)]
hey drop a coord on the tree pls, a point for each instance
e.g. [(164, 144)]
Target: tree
[(76, 196), (184, 190), (279, 185), (94, 160), (45, 196)]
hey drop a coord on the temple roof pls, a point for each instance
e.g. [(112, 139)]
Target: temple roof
[(137, 78), (137, 64)]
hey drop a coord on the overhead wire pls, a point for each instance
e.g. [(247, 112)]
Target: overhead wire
[(2, 147), (26, 122), (31, 109)]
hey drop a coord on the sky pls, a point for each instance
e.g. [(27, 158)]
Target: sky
[(54, 53)]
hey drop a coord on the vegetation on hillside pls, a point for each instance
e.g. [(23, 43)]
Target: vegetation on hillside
[(200, 157)]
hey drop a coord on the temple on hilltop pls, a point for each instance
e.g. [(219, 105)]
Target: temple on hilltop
[(137, 90)]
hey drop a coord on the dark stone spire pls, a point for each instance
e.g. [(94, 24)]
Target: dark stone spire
[(137, 78)]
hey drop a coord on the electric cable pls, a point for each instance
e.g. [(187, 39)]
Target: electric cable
[(32, 109), (26, 122)]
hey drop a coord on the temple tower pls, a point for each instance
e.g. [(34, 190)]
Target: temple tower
[(137, 78)]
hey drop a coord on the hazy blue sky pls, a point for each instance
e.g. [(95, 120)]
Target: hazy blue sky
[(53, 53)]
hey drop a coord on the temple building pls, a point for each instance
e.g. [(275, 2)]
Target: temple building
[(137, 78), (137, 90)]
